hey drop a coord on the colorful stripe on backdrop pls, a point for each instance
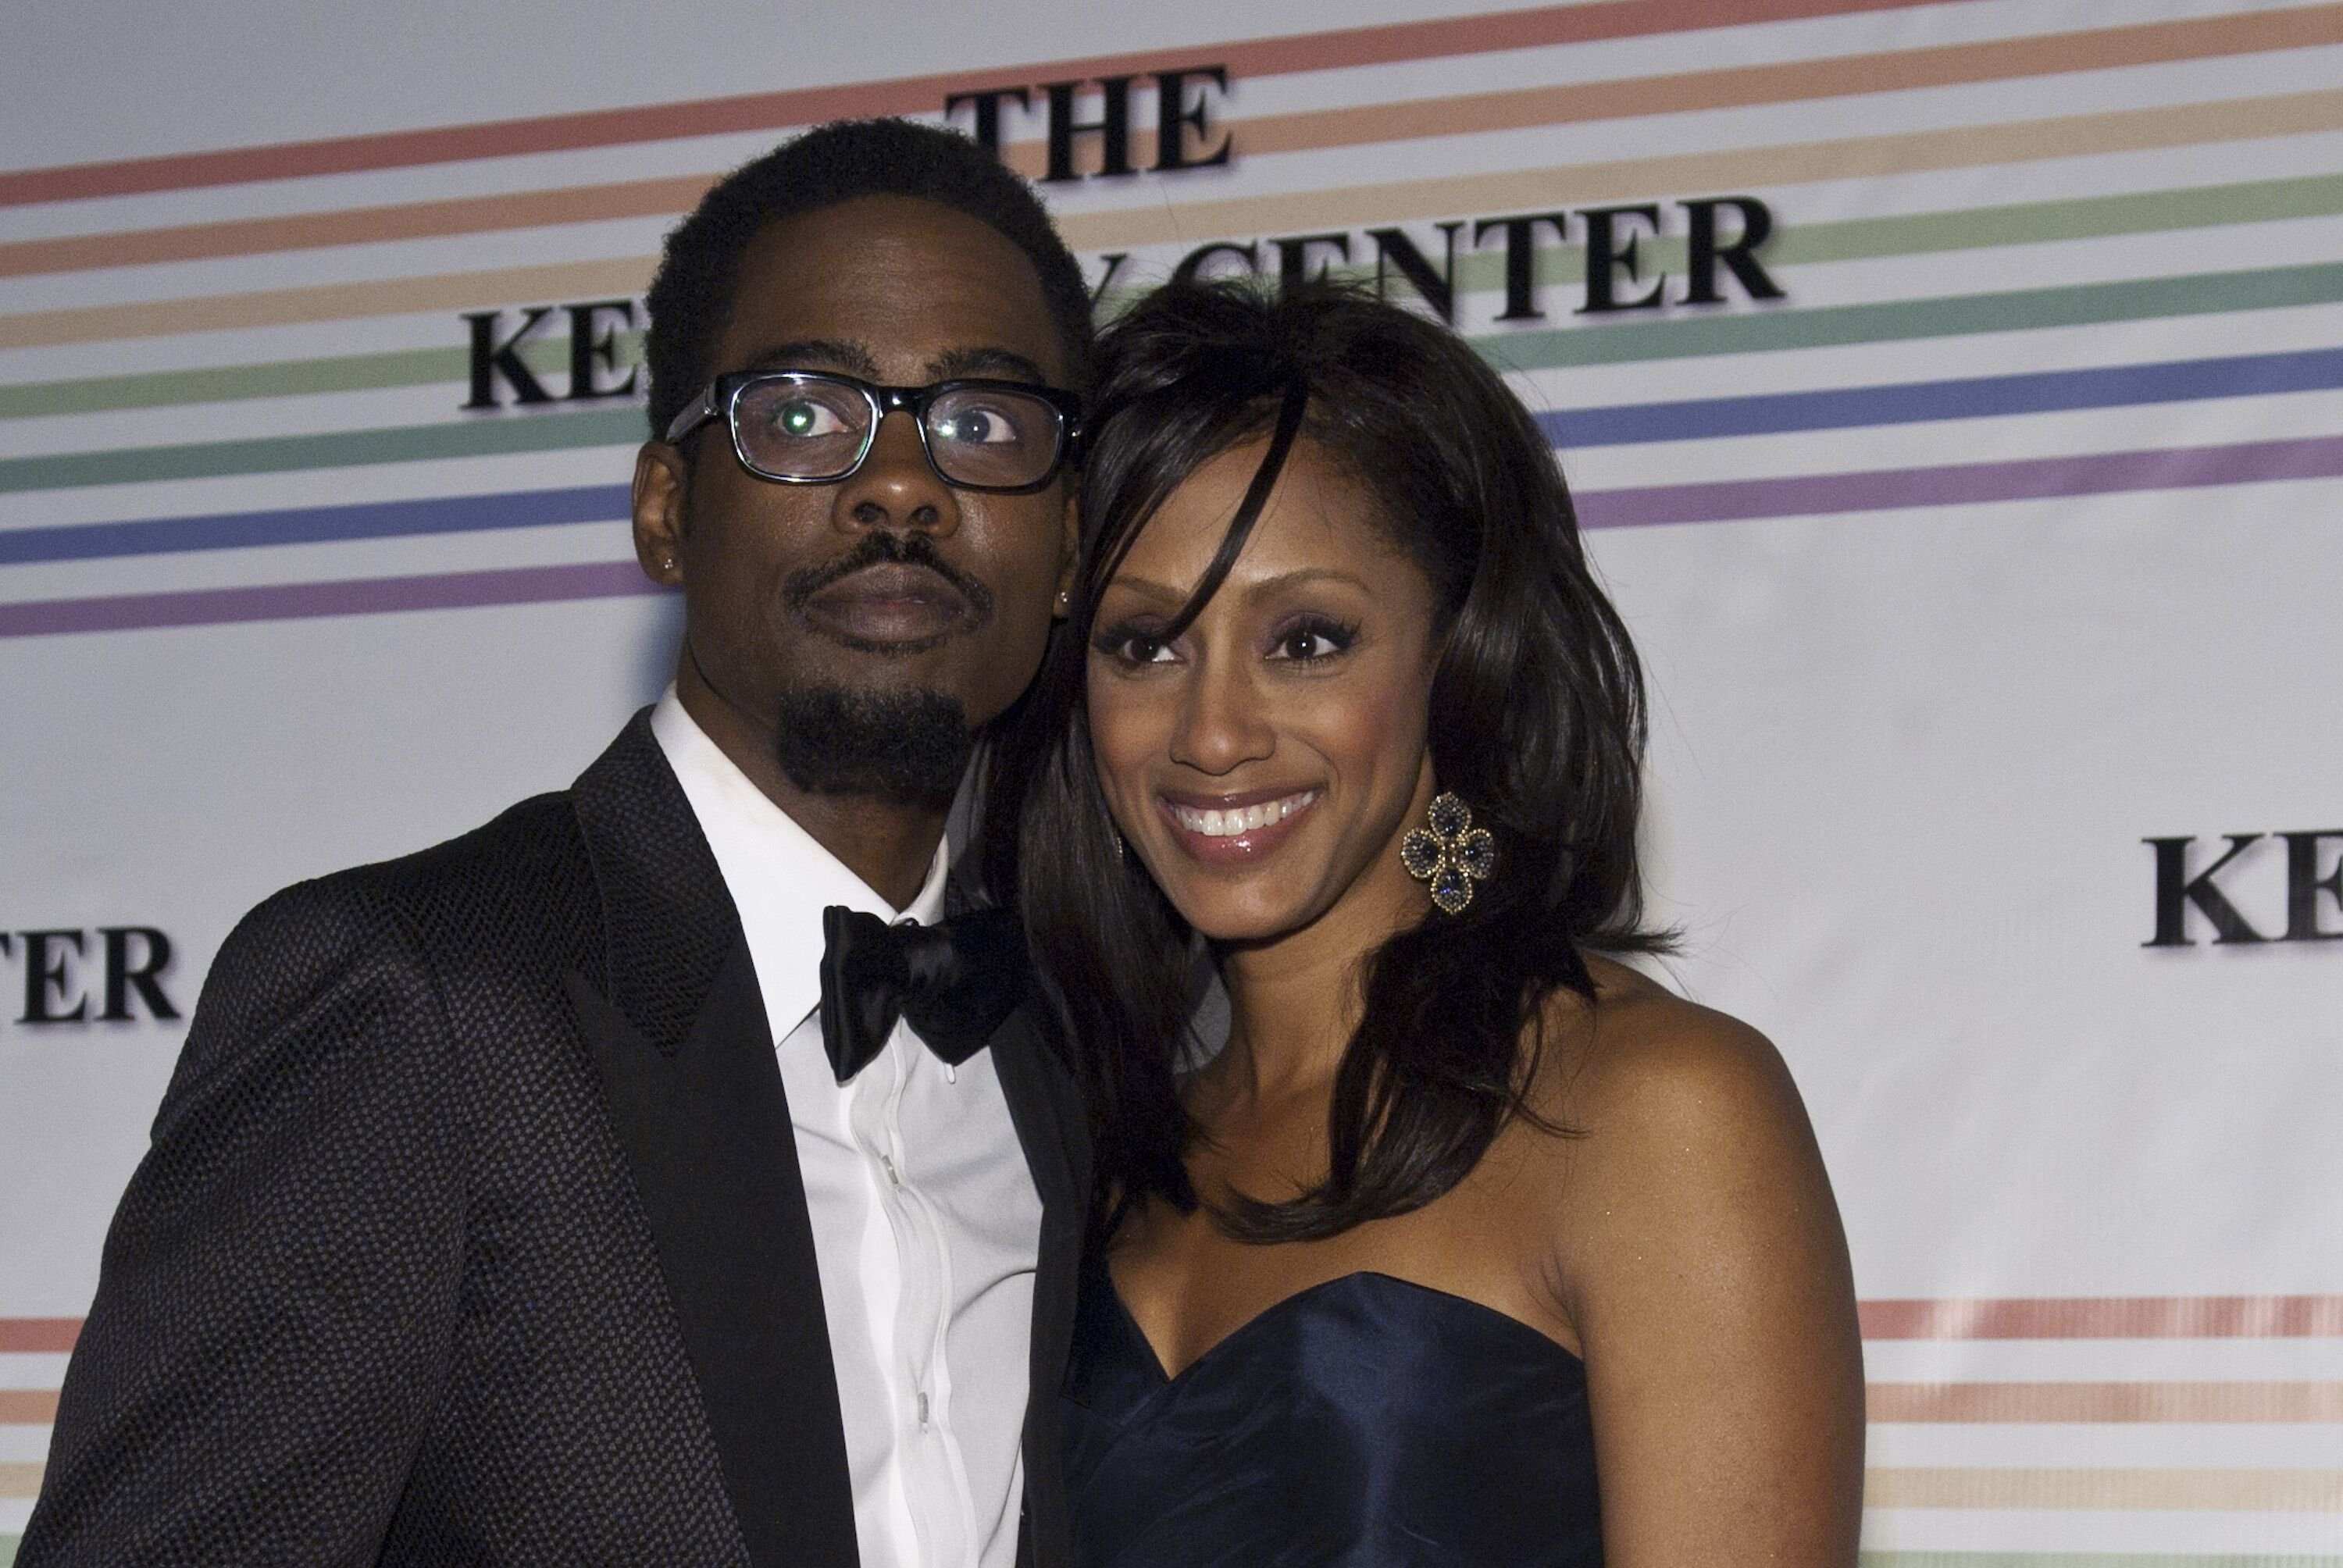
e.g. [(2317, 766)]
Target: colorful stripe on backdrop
[(1317, 130), (2074, 261), (1893, 1486), (1404, 43)]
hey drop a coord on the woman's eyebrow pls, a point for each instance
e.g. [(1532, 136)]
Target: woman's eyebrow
[(1295, 578), (1147, 588)]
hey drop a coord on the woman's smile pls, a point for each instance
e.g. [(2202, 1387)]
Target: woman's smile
[(1219, 828)]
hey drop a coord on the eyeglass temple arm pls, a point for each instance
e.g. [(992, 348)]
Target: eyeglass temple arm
[(701, 409)]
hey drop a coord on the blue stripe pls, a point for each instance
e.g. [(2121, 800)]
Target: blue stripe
[(1912, 402), (316, 524), (2241, 375)]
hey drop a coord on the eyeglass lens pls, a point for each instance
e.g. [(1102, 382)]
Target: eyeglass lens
[(816, 428)]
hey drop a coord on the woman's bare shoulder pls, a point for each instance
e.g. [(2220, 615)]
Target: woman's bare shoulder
[(1640, 1060)]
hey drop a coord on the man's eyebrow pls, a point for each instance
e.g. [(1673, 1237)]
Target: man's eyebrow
[(1000, 364), (817, 353)]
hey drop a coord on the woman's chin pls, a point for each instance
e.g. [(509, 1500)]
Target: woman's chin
[(1227, 915)]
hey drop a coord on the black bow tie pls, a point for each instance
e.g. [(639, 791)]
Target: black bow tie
[(953, 982)]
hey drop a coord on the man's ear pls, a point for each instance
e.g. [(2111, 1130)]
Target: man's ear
[(661, 477)]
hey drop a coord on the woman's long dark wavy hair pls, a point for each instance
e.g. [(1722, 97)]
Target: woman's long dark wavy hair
[(1536, 721)]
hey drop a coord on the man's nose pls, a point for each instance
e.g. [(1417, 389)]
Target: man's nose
[(897, 487)]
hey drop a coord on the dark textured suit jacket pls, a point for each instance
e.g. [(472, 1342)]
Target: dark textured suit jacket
[(472, 1231)]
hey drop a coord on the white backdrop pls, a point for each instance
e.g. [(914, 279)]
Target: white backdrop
[(2004, 541)]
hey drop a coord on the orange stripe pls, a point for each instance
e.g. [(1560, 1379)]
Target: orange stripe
[(2106, 1402), (329, 302), (28, 1406), (2259, 1491), (910, 94), (356, 225), (20, 1479), (1917, 1318), (2092, 1402), (1943, 65), (1747, 168), (2108, 1318), (1514, 190), (38, 1336)]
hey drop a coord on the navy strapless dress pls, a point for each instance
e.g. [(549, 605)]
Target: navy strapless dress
[(1366, 1422)]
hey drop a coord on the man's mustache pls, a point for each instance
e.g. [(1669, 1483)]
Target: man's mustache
[(881, 548)]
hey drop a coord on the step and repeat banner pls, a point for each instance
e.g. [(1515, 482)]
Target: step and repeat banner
[(1953, 393)]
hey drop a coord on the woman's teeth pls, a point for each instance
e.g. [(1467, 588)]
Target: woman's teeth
[(1244, 818)]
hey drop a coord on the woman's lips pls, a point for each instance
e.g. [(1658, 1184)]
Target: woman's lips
[(1236, 829)]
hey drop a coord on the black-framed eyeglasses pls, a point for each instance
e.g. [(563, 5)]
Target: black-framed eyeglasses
[(816, 426)]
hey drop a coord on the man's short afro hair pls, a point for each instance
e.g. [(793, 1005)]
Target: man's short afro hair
[(691, 297)]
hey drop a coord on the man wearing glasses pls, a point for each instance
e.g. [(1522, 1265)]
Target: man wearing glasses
[(657, 1174)]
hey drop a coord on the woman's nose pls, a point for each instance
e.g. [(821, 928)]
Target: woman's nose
[(1223, 721)]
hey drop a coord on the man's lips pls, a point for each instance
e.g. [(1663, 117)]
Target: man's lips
[(889, 604)]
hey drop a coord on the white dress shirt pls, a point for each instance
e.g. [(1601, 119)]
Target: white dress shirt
[(926, 1223)]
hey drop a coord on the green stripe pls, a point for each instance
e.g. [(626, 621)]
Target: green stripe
[(285, 379), (2087, 1560), (8, 1550), (1742, 332), (2087, 218), (490, 435), (1921, 234), (1762, 330), (1476, 272)]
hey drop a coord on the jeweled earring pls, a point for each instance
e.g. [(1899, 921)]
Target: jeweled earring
[(1451, 854)]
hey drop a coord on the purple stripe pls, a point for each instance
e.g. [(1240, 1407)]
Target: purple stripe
[(298, 601), (1954, 484), (1803, 494)]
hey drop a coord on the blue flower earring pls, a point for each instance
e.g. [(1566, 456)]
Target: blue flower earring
[(1451, 854)]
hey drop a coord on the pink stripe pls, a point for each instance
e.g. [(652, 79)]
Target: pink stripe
[(299, 601), (2108, 1318), (38, 1336), (2005, 1318)]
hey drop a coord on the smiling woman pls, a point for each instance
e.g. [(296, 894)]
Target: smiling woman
[(1468, 1244)]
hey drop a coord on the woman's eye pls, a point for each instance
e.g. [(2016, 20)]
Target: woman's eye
[(1127, 647), (1313, 639)]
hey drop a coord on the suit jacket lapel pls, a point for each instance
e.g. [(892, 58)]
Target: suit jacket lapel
[(1046, 1108), (677, 1031)]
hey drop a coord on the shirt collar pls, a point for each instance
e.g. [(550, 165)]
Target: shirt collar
[(779, 877)]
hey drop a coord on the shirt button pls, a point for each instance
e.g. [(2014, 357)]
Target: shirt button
[(894, 1178), (923, 1410)]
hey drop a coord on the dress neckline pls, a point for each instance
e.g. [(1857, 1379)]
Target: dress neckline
[(1356, 1278)]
